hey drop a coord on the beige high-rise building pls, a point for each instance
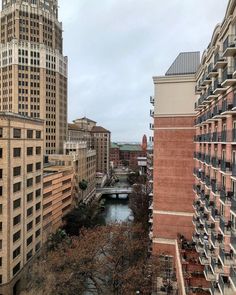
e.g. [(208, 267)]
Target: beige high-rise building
[(21, 161), (33, 70)]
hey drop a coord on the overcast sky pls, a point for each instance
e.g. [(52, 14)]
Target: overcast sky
[(116, 46)]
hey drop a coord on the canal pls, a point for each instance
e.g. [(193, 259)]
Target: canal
[(117, 210)]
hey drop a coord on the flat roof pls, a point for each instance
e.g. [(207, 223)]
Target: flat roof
[(21, 117)]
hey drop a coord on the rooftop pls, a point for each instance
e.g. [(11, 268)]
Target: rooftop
[(186, 63), (99, 129), (10, 115), (114, 145), (131, 147)]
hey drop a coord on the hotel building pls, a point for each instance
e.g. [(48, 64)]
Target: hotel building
[(33, 70)]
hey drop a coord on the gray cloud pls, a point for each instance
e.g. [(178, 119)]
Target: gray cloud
[(116, 46)]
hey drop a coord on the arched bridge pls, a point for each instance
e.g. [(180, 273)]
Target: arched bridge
[(114, 190)]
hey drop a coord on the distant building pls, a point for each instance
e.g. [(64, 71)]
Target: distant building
[(101, 142), (97, 138), (114, 155)]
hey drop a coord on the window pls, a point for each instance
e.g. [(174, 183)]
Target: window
[(0, 153), (38, 219), (29, 254), (16, 133), (16, 152), (16, 236), (38, 134), (29, 197), (38, 193), (16, 204), (38, 150), (0, 244), (29, 133), (29, 151), (16, 252), (38, 166), (47, 195), (16, 171), (0, 208), (16, 269), (38, 179), (1, 191), (29, 168), (37, 233), (46, 184), (17, 219), (1, 132), (29, 225), (29, 211), (37, 247), (38, 206), (29, 182), (29, 240), (16, 187), (0, 226)]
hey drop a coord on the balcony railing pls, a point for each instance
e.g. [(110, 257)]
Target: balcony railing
[(229, 43), (152, 100), (227, 73), (233, 241), (233, 276), (219, 59)]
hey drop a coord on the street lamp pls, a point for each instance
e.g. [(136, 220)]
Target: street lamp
[(137, 292)]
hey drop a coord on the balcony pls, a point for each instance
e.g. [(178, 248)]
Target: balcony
[(209, 273), (229, 46), (227, 105), (233, 242), (225, 166), (152, 100), (197, 89), (219, 61), (228, 78), (210, 94), (152, 113), (218, 88), (227, 258), (216, 266), (215, 162), (216, 240), (215, 289), (216, 112), (204, 260), (233, 276), (225, 227), (233, 205), (211, 71), (215, 214)]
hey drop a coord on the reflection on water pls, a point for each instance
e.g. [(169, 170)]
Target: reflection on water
[(117, 210)]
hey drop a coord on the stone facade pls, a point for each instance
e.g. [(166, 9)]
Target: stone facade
[(21, 162)]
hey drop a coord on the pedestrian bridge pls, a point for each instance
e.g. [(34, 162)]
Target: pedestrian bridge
[(114, 190)]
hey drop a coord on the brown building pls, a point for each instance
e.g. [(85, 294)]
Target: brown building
[(101, 141), (57, 196), (21, 162), (33, 74), (129, 154), (114, 155), (173, 149), (97, 138)]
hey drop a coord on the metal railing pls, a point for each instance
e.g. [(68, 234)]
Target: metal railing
[(229, 42), (233, 275)]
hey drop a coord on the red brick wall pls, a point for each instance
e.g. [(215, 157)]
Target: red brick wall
[(173, 176)]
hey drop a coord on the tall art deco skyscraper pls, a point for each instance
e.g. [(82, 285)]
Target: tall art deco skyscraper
[(33, 70)]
